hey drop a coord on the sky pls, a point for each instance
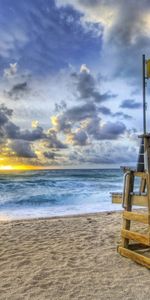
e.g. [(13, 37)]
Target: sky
[(71, 82)]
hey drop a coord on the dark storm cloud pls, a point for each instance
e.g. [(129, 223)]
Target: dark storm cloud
[(60, 106), (5, 113), (3, 118), (68, 118), (79, 113), (23, 149), (106, 96), (105, 111), (53, 141), (49, 155), (5, 110), (8, 130), (87, 88), (131, 104), (93, 126), (12, 131), (80, 138), (33, 135), (107, 131), (18, 90), (82, 112), (111, 131), (90, 112), (63, 124), (85, 85), (19, 87), (122, 115)]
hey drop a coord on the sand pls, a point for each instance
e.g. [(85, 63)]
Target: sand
[(68, 258)]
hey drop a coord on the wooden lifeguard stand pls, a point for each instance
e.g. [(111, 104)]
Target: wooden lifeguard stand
[(136, 245)]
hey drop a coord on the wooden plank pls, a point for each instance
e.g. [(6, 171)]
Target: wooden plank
[(135, 173), (143, 185), (140, 259), (140, 174), (131, 235), (139, 200), (127, 203), (116, 198), (133, 216)]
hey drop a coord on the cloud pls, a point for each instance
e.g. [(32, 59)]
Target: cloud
[(22, 149), (11, 36), (87, 89), (53, 141), (111, 131), (8, 130), (78, 138), (18, 90), (3, 118), (59, 107), (81, 112), (35, 124), (84, 69), (32, 48), (60, 123), (65, 121), (49, 155), (5, 113), (122, 115), (106, 131), (87, 116), (34, 135), (126, 29), (131, 104), (11, 71), (11, 131), (105, 153), (105, 111)]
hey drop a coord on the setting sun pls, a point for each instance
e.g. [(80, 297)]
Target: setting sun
[(6, 168), (19, 167)]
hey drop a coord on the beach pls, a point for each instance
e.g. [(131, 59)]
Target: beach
[(66, 258)]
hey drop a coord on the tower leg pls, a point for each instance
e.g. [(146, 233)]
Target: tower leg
[(129, 184)]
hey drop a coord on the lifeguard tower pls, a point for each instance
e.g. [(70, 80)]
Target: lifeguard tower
[(134, 243)]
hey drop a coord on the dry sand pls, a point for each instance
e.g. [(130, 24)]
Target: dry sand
[(68, 258)]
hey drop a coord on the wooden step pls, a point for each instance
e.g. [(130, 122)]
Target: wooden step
[(140, 259), (139, 200), (138, 237), (134, 216)]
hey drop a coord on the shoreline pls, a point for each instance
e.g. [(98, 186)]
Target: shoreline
[(68, 258), (108, 212)]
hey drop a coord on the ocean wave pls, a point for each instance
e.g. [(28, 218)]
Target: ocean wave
[(58, 190)]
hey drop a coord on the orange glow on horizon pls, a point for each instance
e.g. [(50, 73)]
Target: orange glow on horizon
[(20, 168)]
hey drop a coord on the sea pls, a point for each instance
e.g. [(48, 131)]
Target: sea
[(48, 193)]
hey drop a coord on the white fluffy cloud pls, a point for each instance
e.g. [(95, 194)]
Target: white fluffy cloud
[(11, 71)]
